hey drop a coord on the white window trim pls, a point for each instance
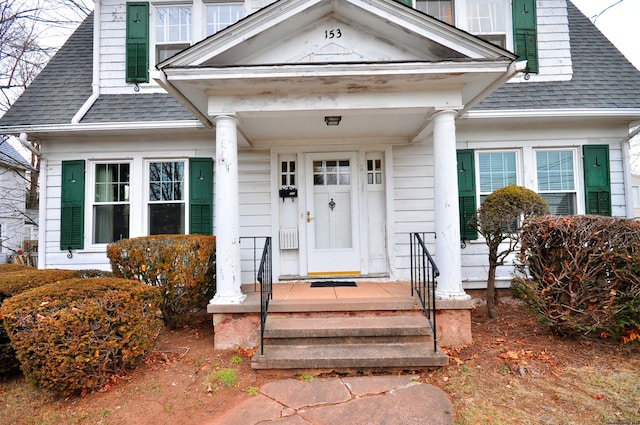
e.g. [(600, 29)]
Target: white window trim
[(145, 192), (90, 196)]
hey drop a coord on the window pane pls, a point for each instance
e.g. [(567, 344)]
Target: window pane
[(110, 223), (111, 209), (166, 181), (486, 16), (560, 203), (220, 16), (166, 219), (497, 170), (173, 24), (440, 9), (555, 170)]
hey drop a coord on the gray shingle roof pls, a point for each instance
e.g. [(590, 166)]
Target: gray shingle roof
[(602, 77), (136, 107), (9, 156), (61, 88)]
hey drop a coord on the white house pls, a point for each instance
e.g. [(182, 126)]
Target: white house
[(13, 213), (377, 118)]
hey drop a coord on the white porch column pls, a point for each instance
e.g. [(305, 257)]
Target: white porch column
[(448, 256), (227, 224)]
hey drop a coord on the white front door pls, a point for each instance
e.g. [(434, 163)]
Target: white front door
[(332, 219)]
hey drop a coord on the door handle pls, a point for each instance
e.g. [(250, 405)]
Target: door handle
[(309, 218)]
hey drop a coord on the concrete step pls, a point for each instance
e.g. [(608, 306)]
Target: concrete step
[(350, 356), (296, 330)]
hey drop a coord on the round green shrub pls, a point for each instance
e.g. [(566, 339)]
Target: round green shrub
[(15, 279), (183, 266), (78, 335)]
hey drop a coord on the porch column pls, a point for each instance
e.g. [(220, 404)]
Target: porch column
[(227, 225), (448, 256)]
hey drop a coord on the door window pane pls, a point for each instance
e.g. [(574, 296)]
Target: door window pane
[(331, 173)]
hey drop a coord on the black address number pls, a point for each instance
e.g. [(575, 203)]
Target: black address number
[(332, 33)]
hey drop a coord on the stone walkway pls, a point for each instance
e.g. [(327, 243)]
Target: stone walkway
[(370, 400)]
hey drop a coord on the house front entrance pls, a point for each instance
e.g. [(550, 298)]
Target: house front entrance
[(332, 219)]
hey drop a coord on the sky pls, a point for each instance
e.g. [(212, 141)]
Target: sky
[(619, 23)]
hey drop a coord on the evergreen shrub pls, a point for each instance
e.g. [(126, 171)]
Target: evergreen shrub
[(15, 279), (80, 334), (182, 265), (582, 274)]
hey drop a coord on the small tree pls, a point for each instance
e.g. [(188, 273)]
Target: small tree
[(498, 220)]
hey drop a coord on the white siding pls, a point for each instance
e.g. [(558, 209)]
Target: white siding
[(554, 50), (255, 208), (412, 201), (12, 209)]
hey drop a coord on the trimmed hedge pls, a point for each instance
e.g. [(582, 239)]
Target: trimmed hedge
[(8, 268), (182, 265), (79, 334), (583, 274), (15, 279)]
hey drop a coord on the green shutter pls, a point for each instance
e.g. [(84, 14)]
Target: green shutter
[(597, 181), (466, 192), (72, 206), (525, 33), (137, 42), (201, 196)]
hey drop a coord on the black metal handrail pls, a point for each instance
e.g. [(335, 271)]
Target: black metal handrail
[(424, 272), (265, 278)]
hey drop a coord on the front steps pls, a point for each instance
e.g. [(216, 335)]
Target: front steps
[(335, 341)]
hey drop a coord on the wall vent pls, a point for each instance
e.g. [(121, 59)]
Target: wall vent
[(289, 238)]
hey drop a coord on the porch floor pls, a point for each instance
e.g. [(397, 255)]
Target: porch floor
[(292, 297)]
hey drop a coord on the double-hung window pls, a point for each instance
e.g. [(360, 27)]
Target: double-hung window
[(556, 179), (173, 30), (166, 202), (496, 170), (111, 209), (221, 15), (488, 19)]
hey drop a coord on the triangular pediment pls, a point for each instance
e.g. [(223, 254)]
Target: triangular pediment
[(335, 31)]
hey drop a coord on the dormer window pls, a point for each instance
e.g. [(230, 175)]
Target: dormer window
[(488, 20), (439, 9), (221, 15), (173, 30)]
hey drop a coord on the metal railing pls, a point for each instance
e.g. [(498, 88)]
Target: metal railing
[(265, 279), (424, 272)]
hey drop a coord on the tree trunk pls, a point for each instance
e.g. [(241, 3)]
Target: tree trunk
[(491, 289)]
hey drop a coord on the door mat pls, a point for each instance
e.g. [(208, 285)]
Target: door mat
[(331, 284)]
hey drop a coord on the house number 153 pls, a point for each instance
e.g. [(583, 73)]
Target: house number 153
[(332, 33)]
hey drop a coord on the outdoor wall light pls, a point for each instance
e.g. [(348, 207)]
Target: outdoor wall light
[(333, 120)]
